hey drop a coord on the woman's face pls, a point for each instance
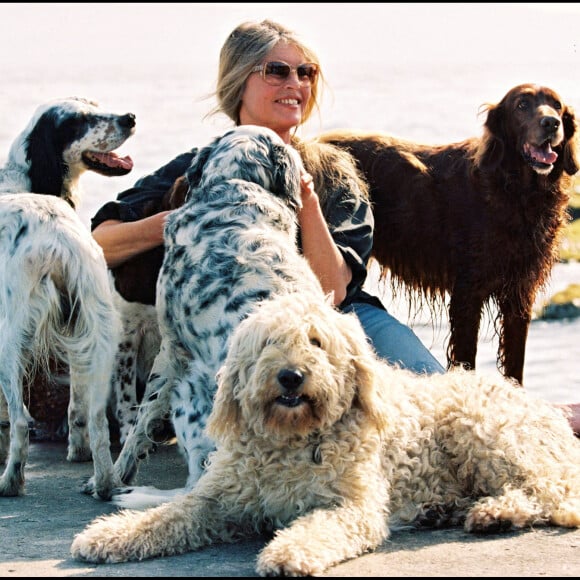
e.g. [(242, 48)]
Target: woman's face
[(279, 107)]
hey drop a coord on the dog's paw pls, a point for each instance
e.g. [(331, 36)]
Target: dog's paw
[(143, 497), (280, 559), (128, 536), (79, 454), (11, 484), (100, 543), (102, 490), (88, 487), (491, 516), (487, 525), (567, 514)]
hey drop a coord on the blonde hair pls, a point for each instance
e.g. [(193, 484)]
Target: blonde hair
[(334, 171), (246, 47)]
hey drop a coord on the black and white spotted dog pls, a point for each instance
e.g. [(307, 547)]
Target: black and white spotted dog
[(135, 281), (231, 245), (55, 294)]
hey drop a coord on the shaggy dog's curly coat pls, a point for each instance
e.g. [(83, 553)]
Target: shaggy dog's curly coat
[(332, 448)]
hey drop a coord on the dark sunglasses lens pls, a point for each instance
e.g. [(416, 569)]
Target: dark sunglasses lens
[(279, 70), (307, 70)]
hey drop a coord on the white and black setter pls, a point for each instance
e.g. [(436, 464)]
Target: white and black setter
[(230, 246), (56, 301)]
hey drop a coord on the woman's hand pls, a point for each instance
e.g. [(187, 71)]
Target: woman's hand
[(307, 187), (318, 246)]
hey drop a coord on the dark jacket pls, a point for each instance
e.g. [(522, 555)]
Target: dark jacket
[(350, 220)]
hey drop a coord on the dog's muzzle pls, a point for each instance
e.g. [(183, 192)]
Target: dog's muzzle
[(290, 381)]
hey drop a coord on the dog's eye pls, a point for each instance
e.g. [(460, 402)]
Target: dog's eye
[(523, 105), (558, 106), (315, 342)]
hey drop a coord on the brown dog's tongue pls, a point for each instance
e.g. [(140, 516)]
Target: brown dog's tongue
[(543, 154)]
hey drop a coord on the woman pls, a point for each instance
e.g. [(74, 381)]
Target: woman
[(268, 77)]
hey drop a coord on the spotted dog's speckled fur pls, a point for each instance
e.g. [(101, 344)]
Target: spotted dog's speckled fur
[(55, 297), (135, 282), (231, 245), (138, 347)]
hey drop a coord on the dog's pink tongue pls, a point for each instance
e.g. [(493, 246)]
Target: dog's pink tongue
[(543, 154), (113, 160)]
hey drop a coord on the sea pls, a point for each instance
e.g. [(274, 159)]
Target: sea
[(433, 104)]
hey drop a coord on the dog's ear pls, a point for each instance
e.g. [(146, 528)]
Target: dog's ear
[(492, 148), (44, 155), (195, 170), (366, 367), (225, 418), (570, 152), (176, 195), (286, 174)]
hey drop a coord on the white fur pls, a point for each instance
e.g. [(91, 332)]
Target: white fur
[(326, 450), (231, 245), (55, 295)]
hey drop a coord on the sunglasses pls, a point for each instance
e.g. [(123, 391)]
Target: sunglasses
[(276, 72)]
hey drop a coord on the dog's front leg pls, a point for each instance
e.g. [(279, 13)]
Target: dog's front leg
[(184, 525), (465, 310), (513, 338), (324, 538)]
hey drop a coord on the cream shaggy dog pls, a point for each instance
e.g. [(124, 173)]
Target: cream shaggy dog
[(331, 449)]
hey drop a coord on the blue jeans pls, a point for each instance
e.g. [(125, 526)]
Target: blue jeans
[(393, 341)]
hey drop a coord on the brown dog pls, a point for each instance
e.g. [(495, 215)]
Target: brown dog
[(480, 219)]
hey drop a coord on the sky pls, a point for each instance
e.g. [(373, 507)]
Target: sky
[(85, 34)]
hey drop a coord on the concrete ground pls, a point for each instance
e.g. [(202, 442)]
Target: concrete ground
[(36, 531)]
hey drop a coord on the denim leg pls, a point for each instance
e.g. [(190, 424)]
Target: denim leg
[(394, 341)]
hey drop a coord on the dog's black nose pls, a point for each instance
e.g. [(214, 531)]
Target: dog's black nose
[(550, 123), (127, 120), (290, 379)]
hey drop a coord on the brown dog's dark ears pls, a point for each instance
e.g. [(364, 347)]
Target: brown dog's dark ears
[(175, 196), (570, 153), (491, 150)]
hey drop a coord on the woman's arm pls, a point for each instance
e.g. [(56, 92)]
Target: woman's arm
[(125, 228), (124, 240), (336, 220), (318, 246)]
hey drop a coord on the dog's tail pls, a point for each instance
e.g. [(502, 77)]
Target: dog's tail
[(72, 308), (144, 497), (53, 267)]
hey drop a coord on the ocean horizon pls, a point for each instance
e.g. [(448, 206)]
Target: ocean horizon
[(424, 81)]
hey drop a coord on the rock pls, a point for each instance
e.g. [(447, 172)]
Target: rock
[(560, 311)]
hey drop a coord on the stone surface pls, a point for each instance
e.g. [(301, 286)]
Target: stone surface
[(36, 532)]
